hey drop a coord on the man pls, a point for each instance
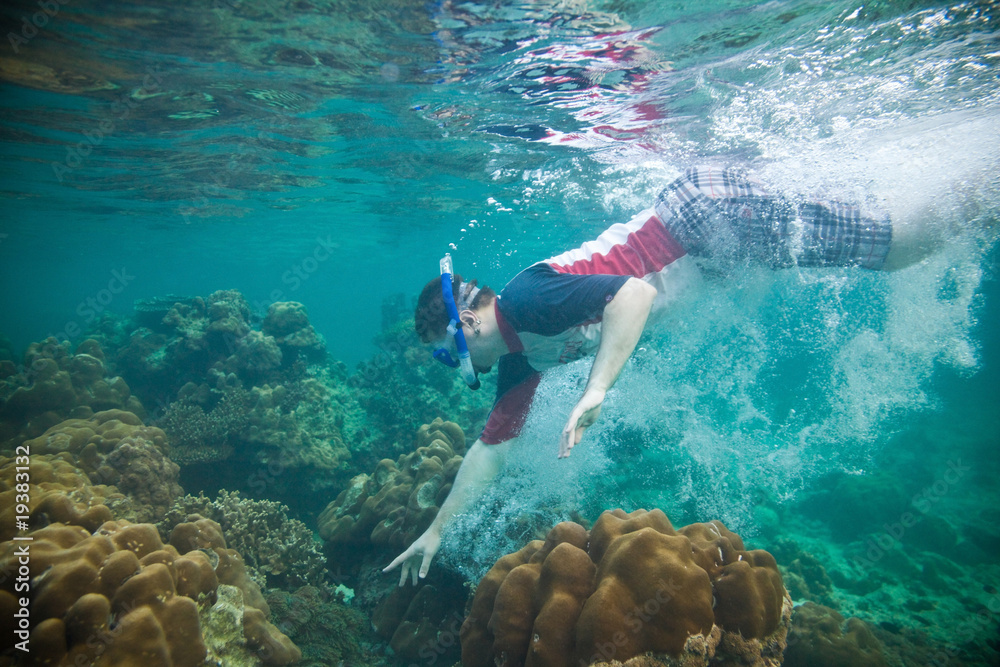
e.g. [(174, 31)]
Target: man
[(596, 300)]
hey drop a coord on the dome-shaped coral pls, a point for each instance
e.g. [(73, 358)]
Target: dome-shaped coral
[(632, 586), (120, 596)]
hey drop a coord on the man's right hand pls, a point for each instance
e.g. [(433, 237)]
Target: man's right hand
[(416, 560)]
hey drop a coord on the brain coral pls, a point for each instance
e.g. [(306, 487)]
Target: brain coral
[(633, 587), (121, 597), (395, 504)]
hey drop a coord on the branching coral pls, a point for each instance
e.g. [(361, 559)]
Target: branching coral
[(200, 436), (278, 551)]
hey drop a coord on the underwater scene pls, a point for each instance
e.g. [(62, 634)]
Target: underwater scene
[(741, 410)]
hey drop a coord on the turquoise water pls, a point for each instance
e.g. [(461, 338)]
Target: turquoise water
[(330, 153)]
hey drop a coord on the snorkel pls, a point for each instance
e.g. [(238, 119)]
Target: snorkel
[(464, 362)]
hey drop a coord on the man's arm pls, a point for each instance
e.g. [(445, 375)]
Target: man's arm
[(481, 464), (622, 325)]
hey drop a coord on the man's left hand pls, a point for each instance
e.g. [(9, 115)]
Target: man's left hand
[(584, 414)]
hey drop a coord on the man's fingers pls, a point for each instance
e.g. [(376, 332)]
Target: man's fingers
[(395, 563), (564, 441), (426, 564), (402, 575), (413, 570)]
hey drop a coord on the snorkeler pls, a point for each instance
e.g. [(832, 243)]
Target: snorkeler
[(595, 300)]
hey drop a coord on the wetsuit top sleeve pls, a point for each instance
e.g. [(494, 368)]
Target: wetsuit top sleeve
[(516, 384)]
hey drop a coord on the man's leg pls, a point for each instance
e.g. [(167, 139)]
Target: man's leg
[(922, 228), (914, 237), (722, 213)]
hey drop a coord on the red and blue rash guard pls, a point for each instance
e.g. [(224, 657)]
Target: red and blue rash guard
[(551, 312)]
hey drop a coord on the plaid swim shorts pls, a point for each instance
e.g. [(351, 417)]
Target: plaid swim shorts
[(713, 212)]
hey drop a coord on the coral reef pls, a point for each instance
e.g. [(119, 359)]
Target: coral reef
[(287, 323), (200, 436), (326, 630), (121, 595), (58, 491), (296, 425), (191, 337), (399, 500), (282, 426), (228, 392), (423, 622), (179, 341), (821, 637), (54, 384), (278, 551), (391, 412), (114, 447), (632, 585)]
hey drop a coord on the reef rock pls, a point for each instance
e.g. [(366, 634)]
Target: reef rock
[(288, 323), (632, 590), (821, 637)]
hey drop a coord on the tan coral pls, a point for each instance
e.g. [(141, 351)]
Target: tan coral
[(57, 384), (399, 500), (59, 492), (121, 597), (114, 447), (633, 591)]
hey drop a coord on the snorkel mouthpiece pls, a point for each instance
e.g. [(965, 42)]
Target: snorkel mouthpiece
[(464, 363)]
